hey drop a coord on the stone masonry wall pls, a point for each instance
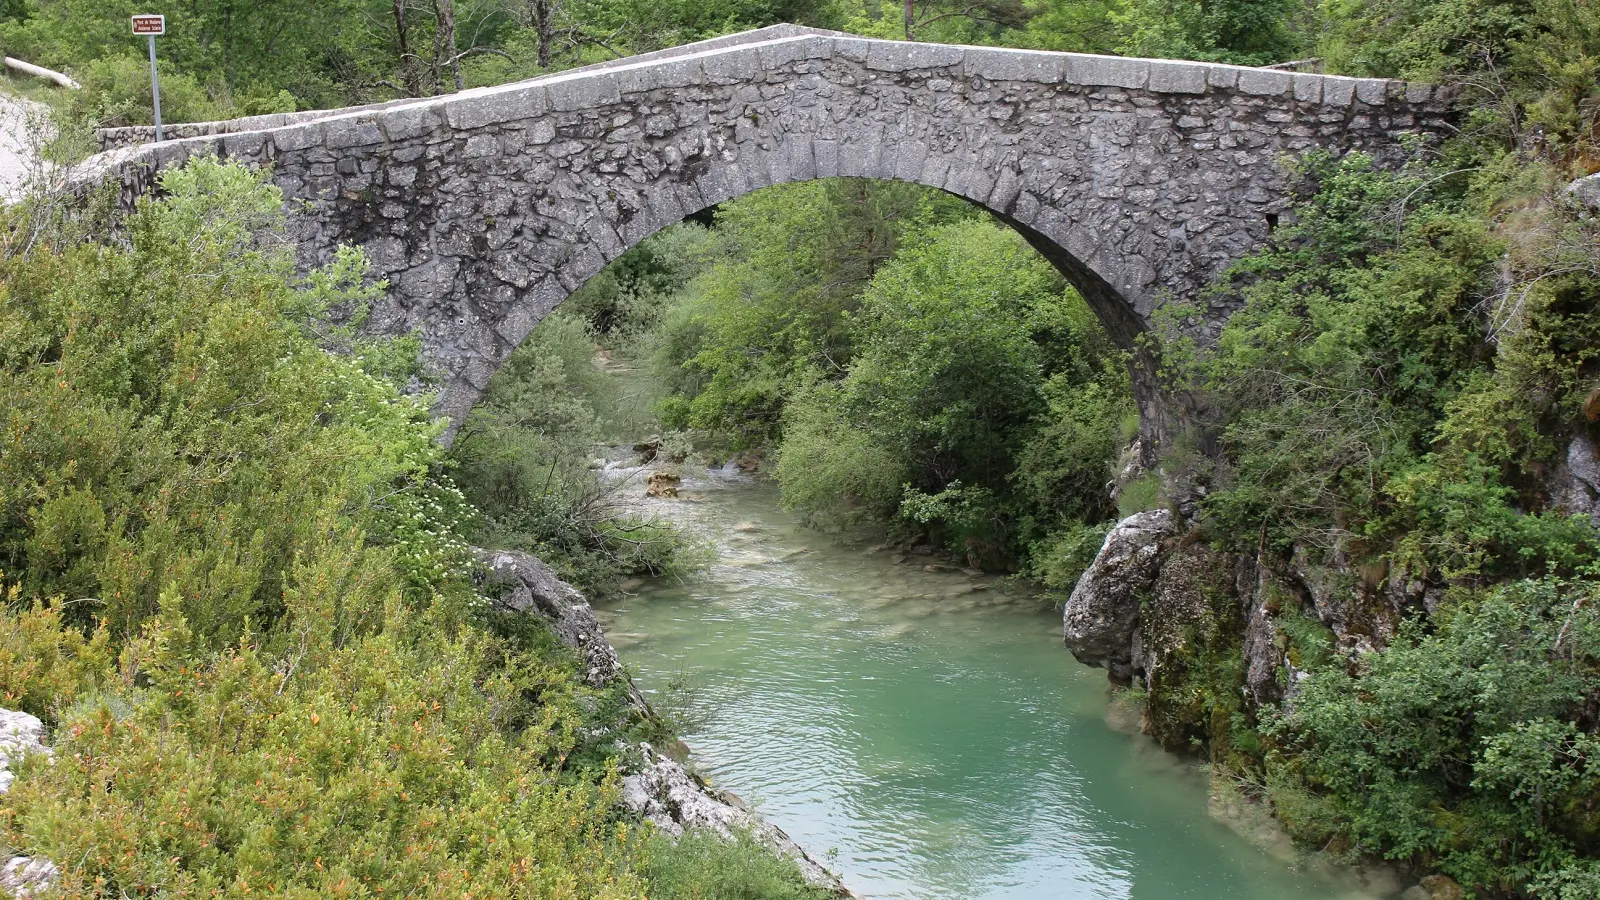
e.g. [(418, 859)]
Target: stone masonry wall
[(1140, 179)]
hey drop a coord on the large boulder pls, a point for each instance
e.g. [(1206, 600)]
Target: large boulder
[(1102, 615), (1586, 191)]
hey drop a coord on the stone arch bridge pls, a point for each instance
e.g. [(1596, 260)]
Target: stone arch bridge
[(1139, 179)]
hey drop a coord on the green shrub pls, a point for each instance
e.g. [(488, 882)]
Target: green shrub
[(702, 865), (116, 92), (1470, 744), (524, 459), (234, 589)]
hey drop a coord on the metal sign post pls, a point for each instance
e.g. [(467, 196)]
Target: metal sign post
[(152, 26)]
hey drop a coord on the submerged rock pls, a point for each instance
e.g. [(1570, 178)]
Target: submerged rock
[(1102, 614), (1435, 887), (662, 484)]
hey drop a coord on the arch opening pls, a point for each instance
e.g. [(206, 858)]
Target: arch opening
[(905, 351)]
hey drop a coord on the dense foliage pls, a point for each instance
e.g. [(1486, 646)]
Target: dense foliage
[(1396, 402), (234, 588), (912, 362), (234, 569), (1471, 744)]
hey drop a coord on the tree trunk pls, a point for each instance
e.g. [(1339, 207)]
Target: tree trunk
[(408, 59), (445, 10), (544, 23), (911, 20)]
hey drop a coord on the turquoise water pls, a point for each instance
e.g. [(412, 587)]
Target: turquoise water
[(926, 728)]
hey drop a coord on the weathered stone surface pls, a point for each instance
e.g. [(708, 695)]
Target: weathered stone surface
[(1139, 179), (24, 876), (523, 583), (1102, 615), (20, 735), (1586, 191), (668, 795), (1575, 485)]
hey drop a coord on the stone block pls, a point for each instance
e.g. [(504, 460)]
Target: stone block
[(455, 402), (1004, 193), (802, 159), (1265, 82), (583, 91), (504, 105), (776, 54), (299, 137), (1110, 71), (997, 64), (729, 66), (1308, 87), (1226, 77), (1372, 91), (478, 371), (825, 158), (958, 173), (935, 171), (1338, 91), (479, 146), (1177, 77), (901, 56), (1418, 93), (852, 48), (909, 159), (359, 130), (413, 120), (602, 236)]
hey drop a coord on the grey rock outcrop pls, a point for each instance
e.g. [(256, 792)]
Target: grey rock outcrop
[(1575, 484), (668, 795), (21, 735), (24, 876), (1586, 191), (1149, 592), (1101, 618), (522, 583)]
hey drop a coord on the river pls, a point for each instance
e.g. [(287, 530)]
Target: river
[(924, 728)]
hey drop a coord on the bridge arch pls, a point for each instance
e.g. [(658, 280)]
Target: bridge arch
[(1139, 179)]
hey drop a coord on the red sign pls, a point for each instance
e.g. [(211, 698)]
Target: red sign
[(149, 24)]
